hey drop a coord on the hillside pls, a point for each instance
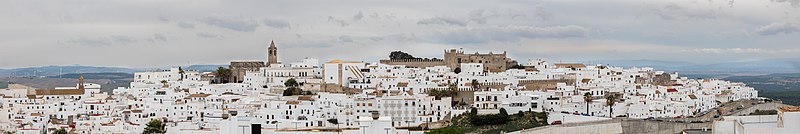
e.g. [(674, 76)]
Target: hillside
[(782, 86), (109, 81), (56, 70)]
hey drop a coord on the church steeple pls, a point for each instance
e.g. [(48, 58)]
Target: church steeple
[(80, 82), (273, 54), (272, 44)]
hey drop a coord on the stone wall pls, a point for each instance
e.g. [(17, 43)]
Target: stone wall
[(594, 127), (531, 85), (765, 106), (239, 68), (415, 63), (660, 127), (491, 62), (617, 126)]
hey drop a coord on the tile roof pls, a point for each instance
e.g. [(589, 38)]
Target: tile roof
[(790, 109)]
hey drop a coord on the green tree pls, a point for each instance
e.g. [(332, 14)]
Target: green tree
[(60, 131), (446, 130), (587, 97), (224, 75), (292, 88), (164, 83), (180, 71), (452, 90), (335, 121), (291, 83), (155, 126), (503, 114), (517, 66), (400, 55), (473, 111), (610, 101), (475, 84), (457, 70)]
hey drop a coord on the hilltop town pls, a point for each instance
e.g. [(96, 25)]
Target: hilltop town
[(403, 94)]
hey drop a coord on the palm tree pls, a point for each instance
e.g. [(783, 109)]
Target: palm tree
[(452, 89), (587, 97), (335, 121), (180, 71), (223, 74), (475, 84), (610, 101), (164, 83)]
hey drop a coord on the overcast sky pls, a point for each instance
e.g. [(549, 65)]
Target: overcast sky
[(157, 33)]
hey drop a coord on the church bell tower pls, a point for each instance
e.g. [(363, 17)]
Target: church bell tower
[(273, 54)]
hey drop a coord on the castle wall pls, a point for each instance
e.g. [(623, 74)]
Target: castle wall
[(415, 63), (239, 69), (491, 62)]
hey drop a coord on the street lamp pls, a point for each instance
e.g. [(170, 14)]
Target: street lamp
[(387, 129)]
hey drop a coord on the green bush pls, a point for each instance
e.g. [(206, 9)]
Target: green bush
[(446, 130), (155, 126), (490, 119)]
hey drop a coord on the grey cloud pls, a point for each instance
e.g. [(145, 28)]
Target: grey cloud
[(345, 38), (358, 16), (794, 3), (542, 13), (185, 25), (309, 44), (344, 22), (208, 35), (673, 11), (276, 23), (480, 16), (376, 38), (158, 38), (240, 24), (162, 18), (123, 39), (103, 41), (476, 16), (506, 34), (730, 3), (443, 21), (341, 22), (515, 13), (779, 28), (394, 37)]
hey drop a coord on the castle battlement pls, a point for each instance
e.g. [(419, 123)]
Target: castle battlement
[(412, 60)]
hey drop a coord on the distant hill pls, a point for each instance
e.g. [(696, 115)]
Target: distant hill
[(112, 76), (109, 81), (57, 70), (758, 67), (657, 64), (48, 77), (204, 68), (782, 86), (49, 71)]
